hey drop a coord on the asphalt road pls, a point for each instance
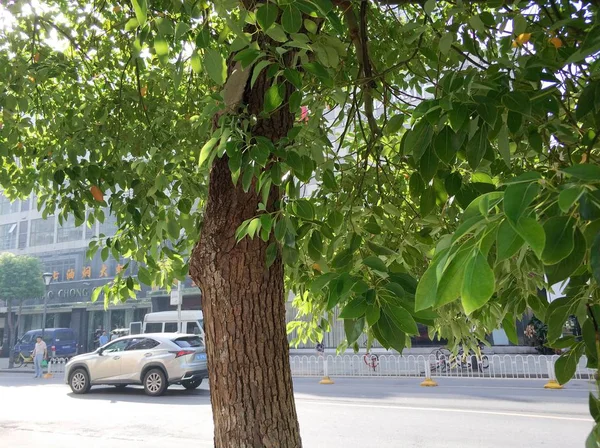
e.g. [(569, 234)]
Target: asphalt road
[(361, 413)]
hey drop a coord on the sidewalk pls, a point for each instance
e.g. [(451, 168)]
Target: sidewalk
[(24, 369)]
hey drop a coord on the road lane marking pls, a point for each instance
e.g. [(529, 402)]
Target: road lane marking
[(462, 411)]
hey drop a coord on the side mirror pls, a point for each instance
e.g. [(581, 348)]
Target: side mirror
[(100, 351)]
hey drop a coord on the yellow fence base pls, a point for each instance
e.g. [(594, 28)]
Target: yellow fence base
[(326, 380), (429, 383), (552, 384), (47, 375)]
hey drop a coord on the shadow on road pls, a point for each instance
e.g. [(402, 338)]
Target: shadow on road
[(132, 394)]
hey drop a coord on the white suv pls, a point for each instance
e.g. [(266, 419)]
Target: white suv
[(153, 360)]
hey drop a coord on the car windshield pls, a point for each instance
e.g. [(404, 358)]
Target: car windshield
[(188, 341)]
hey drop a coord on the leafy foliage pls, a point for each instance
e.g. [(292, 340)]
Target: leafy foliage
[(20, 277)]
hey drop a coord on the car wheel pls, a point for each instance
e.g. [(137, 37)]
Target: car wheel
[(155, 382), (191, 384), (80, 381)]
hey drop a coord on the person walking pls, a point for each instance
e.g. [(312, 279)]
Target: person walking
[(103, 339), (40, 351)]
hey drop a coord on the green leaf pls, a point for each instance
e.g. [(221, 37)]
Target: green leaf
[(426, 294), (417, 140), (503, 145), (196, 62), (342, 259), (533, 234), (161, 47), (375, 263), (568, 197), (206, 150), (453, 183), (394, 124), (215, 66), (390, 333), (266, 15), (508, 241), (321, 281), (144, 276), (271, 254), (446, 43), (450, 284), (479, 283), (594, 405), (517, 198), (566, 366), (59, 177), (273, 98), (353, 329), (586, 101), (380, 250), (446, 144), (289, 255), (291, 19), (354, 309), (458, 115), (477, 147), (304, 209), (141, 11), (416, 186), (585, 171), (427, 203), (428, 164), (559, 239), (510, 328), (317, 69), (372, 313), (517, 102), (181, 29), (315, 246), (402, 318), (595, 258)]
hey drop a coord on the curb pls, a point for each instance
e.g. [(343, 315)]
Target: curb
[(16, 371)]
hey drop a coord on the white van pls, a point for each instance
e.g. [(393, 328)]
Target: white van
[(192, 322)]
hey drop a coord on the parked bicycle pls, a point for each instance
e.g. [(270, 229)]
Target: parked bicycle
[(20, 359), (445, 360)]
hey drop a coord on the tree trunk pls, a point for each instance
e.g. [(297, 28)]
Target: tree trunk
[(244, 309), (11, 342)]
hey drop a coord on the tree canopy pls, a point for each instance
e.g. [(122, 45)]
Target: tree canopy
[(20, 277), (442, 167)]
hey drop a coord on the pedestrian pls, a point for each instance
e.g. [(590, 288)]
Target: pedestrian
[(103, 339), (114, 335), (40, 351)]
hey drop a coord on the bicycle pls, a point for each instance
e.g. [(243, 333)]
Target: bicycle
[(21, 359), (446, 360)]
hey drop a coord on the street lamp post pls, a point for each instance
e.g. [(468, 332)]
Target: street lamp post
[(47, 279)]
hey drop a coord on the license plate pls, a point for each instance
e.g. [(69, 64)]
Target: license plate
[(201, 357)]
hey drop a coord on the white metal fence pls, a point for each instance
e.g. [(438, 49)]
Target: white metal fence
[(412, 366), (389, 365)]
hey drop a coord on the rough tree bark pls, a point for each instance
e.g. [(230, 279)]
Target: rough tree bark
[(243, 304)]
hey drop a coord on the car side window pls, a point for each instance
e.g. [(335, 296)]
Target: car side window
[(170, 327), (142, 344), (193, 328), (117, 346)]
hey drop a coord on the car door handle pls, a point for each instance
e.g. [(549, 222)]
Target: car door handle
[(148, 354), (116, 357)]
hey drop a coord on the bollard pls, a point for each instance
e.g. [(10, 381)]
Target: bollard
[(325, 379), (552, 383), (428, 382)]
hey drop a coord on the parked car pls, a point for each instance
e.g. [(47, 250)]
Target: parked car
[(155, 360), (61, 342)]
